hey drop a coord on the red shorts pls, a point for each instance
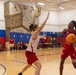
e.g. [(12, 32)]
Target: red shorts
[(68, 51), (31, 57)]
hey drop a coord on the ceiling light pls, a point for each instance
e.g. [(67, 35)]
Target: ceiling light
[(61, 8), (41, 3), (66, 0)]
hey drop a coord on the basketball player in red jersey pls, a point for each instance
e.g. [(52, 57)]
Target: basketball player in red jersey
[(68, 49), (32, 47), (11, 41)]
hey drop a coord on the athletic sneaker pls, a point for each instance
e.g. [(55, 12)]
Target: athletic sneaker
[(20, 73)]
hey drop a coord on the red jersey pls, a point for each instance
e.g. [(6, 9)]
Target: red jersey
[(22, 43), (11, 41), (68, 32), (68, 48)]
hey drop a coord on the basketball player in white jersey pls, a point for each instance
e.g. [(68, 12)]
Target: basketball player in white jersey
[(32, 47)]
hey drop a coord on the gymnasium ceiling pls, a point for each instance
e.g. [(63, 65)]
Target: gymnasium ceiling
[(55, 5)]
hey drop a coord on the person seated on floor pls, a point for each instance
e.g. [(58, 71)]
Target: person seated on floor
[(15, 46), (23, 45)]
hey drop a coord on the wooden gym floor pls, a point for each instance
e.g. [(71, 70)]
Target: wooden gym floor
[(11, 62)]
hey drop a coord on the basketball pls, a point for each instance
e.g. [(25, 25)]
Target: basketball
[(71, 38)]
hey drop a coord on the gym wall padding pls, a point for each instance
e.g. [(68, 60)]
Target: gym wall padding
[(2, 36), (19, 37)]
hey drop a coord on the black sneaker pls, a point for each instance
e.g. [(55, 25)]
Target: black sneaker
[(20, 73)]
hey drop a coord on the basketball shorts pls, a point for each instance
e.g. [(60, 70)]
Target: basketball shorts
[(31, 57), (68, 51)]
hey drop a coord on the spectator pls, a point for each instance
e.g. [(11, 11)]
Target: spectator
[(23, 45), (11, 41)]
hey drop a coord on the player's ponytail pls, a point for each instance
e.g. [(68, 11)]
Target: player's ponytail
[(32, 27)]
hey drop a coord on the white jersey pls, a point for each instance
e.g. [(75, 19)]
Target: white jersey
[(32, 47)]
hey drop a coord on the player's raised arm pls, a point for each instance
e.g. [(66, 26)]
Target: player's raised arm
[(61, 33), (42, 25)]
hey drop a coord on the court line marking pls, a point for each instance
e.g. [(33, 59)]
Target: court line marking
[(17, 61), (49, 54), (24, 62), (4, 68)]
